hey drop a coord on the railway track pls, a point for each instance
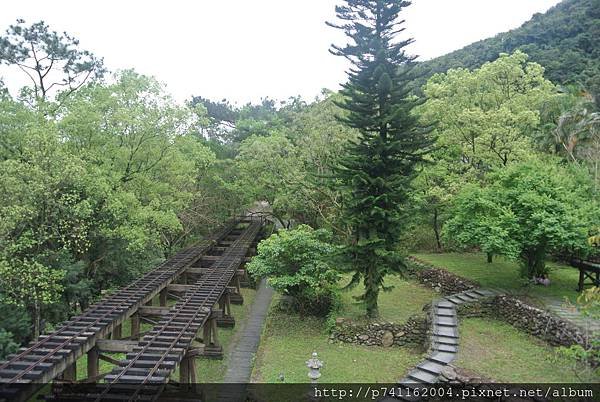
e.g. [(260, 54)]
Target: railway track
[(145, 371), (42, 360)]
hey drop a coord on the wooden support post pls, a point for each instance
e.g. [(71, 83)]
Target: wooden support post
[(215, 338), (212, 349), (184, 371), (117, 331), (135, 326), (235, 296), (163, 297), (93, 363), (581, 279), (226, 320), (192, 369), (70, 373)]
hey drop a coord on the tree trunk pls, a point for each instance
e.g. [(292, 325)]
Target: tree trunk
[(436, 230), (36, 317), (371, 292), (490, 257)]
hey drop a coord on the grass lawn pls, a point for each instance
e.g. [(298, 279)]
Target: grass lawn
[(498, 351), (503, 273), (288, 341), (405, 299)]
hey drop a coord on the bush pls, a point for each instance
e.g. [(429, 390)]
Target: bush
[(7, 344), (298, 263)]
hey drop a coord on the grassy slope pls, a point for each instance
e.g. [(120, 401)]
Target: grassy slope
[(497, 350), (288, 342), (504, 274), (405, 299)]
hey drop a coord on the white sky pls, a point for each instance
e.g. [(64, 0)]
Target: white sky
[(243, 50)]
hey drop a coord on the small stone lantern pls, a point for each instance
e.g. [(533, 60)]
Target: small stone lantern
[(314, 366)]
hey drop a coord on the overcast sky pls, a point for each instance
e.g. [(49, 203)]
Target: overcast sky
[(245, 49)]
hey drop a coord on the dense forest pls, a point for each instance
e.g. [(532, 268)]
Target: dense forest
[(103, 175), (564, 40)]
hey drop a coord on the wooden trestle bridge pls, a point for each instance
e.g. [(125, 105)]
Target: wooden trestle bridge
[(203, 280)]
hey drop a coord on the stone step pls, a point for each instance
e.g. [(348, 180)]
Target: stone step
[(472, 294), (444, 304), (442, 357), (423, 376), (445, 313), (484, 292), (442, 347), (454, 300), (431, 367), (446, 340), (445, 321), (465, 298), (445, 331)]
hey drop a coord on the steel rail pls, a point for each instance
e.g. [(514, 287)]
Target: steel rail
[(216, 281), (117, 303)]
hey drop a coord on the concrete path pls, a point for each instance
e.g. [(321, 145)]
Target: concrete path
[(572, 314), (241, 359)]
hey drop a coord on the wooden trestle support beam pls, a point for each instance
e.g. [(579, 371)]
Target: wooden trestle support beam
[(99, 329)]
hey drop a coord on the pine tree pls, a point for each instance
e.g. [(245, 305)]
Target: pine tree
[(375, 172)]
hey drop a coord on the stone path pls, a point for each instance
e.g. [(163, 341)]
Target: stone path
[(444, 339), (572, 314), (241, 360)]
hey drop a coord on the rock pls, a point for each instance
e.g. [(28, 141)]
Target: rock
[(449, 373), (387, 339), (340, 320), (363, 337)]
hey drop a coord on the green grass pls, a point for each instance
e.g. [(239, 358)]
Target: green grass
[(503, 273), (500, 352), (404, 300), (288, 341)]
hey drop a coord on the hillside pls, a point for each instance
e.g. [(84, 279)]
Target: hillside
[(565, 40)]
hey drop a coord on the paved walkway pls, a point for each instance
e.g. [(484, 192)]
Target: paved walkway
[(241, 359), (572, 314)]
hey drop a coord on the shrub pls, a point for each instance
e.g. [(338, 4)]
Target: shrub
[(298, 263)]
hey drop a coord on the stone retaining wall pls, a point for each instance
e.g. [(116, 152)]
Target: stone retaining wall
[(412, 332), (534, 321), (439, 279)]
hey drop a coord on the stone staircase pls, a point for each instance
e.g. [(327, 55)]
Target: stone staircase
[(572, 314), (444, 340)]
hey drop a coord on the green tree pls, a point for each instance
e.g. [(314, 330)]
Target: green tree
[(51, 61), (376, 170), (298, 263), (487, 118), (31, 285), (527, 211)]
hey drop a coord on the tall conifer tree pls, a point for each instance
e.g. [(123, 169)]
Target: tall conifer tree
[(376, 170)]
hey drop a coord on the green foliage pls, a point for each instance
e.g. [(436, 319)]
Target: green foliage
[(92, 197), (526, 211), (486, 117), (563, 40), (584, 360), (289, 168), (49, 59), (7, 344), (297, 262), (375, 171)]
